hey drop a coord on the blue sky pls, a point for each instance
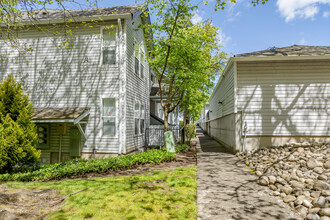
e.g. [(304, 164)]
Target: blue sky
[(279, 23)]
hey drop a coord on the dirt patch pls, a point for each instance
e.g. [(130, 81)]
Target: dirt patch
[(28, 203)]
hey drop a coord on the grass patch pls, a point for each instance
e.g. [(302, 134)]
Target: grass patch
[(155, 195)]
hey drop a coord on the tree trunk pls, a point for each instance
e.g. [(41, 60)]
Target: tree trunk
[(165, 119), (185, 117)]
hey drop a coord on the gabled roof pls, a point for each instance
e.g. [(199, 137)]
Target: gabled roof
[(49, 14), (294, 50), (58, 113)]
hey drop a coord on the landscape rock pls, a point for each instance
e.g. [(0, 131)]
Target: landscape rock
[(296, 184), (298, 202), (307, 204), (289, 198), (314, 210), (286, 189), (271, 179), (263, 180), (297, 173), (326, 192), (318, 170), (302, 210), (272, 187), (312, 163), (325, 212), (313, 216), (316, 194), (326, 165), (321, 202), (322, 177), (321, 185)]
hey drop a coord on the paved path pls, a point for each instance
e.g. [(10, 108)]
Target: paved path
[(227, 190)]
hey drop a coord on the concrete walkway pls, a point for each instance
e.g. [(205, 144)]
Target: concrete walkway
[(227, 190)]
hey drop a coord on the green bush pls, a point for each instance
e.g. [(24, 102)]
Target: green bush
[(190, 131), (181, 148), (18, 136), (80, 166)]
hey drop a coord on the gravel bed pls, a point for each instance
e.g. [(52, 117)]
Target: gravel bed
[(297, 173)]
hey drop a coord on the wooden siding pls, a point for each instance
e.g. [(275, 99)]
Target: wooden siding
[(59, 77), (285, 98), (224, 92), (137, 89)]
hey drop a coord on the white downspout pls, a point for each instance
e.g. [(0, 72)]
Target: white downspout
[(120, 87)]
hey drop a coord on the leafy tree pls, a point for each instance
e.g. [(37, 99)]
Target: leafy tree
[(185, 57), (192, 105), (18, 135)]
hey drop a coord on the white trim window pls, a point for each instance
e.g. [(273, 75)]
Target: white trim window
[(109, 116), (140, 60), (109, 46), (137, 118), (136, 58)]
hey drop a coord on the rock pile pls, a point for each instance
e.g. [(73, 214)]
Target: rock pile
[(297, 173)]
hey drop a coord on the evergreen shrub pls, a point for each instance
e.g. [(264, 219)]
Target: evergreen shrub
[(18, 135)]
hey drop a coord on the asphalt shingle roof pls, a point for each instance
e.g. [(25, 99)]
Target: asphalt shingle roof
[(295, 50), (46, 14)]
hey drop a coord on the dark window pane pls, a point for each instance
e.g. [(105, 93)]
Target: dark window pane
[(142, 126), (136, 125), (109, 56), (109, 126), (142, 71), (137, 64)]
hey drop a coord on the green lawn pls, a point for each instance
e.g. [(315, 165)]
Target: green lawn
[(155, 195)]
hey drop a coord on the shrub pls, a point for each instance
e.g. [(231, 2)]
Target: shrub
[(18, 136), (181, 148), (80, 166), (190, 131)]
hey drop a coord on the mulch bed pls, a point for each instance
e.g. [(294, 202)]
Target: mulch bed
[(183, 159)]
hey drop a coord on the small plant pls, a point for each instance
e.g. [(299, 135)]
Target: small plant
[(18, 136), (190, 131), (182, 148)]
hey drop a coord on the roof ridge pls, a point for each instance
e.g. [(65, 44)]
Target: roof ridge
[(293, 50)]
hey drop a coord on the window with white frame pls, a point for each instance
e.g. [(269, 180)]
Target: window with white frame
[(109, 116), (140, 60), (142, 119), (137, 59), (142, 63), (137, 119), (109, 46)]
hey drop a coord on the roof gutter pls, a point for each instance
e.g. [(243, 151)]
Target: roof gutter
[(280, 58), (75, 19)]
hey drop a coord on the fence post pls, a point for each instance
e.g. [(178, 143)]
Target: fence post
[(183, 135)]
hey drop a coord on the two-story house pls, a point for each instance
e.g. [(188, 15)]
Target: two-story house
[(87, 78)]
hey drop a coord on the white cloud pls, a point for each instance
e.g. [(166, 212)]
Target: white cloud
[(302, 41), (233, 16), (291, 9), (196, 18), (326, 14), (223, 38)]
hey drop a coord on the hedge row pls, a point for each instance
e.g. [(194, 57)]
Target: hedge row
[(80, 166)]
